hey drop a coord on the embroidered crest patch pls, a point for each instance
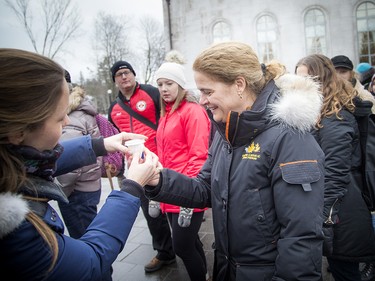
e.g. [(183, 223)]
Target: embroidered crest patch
[(141, 105), (252, 152)]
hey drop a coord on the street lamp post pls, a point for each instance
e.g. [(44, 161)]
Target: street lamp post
[(109, 92)]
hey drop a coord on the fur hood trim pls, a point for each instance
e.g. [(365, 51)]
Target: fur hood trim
[(365, 95), (300, 104), (13, 210)]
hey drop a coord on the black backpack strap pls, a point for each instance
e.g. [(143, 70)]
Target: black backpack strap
[(136, 115)]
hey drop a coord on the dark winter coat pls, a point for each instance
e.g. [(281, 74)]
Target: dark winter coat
[(264, 182), (344, 205), (24, 255)]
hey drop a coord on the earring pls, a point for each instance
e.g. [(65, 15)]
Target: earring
[(240, 95)]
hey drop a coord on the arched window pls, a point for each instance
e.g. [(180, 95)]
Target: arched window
[(267, 38), (221, 32), (315, 32), (366, 32)]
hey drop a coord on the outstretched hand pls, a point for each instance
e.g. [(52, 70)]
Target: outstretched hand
[(143, 170), (116, 142)]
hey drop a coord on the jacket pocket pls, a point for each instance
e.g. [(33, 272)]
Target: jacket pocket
[(260, 272), (303, 173)]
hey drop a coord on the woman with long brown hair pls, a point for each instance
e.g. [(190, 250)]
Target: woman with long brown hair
[(347, 220), (33, 111)]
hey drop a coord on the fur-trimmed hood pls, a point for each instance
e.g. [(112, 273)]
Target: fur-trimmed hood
[(13, 210), (300, 103), (290, 101), (365, 95)]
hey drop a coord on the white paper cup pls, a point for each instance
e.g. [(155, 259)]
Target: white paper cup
[(136, 145)]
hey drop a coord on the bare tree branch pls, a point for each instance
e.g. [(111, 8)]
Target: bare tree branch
[(153, 50), (61, 21), (111, 44), (21, 10)]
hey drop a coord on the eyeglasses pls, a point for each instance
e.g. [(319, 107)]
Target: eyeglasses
[(119, 74)]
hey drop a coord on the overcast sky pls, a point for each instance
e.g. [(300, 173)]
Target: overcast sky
[(80, 58)]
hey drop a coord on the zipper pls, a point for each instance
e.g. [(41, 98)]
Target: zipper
[(329, 220)]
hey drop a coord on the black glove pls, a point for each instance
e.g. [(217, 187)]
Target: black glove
[(328, 232), (132, 188)]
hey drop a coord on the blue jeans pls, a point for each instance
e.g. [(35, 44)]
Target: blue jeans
[(80, 211)]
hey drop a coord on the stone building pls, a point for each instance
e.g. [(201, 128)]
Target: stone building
[(285, 30)]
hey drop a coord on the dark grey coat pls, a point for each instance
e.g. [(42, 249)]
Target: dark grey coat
[(353, 238), (265, 187)]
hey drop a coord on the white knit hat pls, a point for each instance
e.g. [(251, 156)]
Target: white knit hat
[(172, 71)]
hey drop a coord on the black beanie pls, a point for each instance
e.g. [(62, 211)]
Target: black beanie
[(342, 61), (67, 77), (120, 65)]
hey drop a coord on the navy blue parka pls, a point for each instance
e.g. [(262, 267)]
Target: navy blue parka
[(24, 255), (264, 181)]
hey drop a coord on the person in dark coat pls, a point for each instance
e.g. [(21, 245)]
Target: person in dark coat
[(347, 220), (264, 176)]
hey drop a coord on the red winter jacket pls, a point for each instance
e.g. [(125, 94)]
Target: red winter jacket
[(182, 141), (145, 101)]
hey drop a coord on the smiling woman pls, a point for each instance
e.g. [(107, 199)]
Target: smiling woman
[(256, 156)]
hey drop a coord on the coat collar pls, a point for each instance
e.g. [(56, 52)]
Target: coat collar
[(14, 208), (290, 101)]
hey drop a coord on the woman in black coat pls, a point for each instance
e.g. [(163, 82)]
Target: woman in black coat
[(347, 218), (264, 176)]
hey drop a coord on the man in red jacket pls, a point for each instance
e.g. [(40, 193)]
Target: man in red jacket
[(137, 110)]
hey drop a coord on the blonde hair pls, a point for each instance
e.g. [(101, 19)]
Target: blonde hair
[(181, 95), (30, 89), (225, 62), (337, 92), (75, 98)]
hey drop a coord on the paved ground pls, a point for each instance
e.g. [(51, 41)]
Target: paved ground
[(138, 250)]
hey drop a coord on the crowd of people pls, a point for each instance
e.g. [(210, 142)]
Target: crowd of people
[(275, 155)]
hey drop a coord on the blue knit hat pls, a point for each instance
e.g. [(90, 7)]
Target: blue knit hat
[(363, 67), (366, 71)]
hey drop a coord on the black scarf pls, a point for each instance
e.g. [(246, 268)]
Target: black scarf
[(37, 163)]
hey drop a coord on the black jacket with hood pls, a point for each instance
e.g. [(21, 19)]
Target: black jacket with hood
[(264, 181), (344, 205)]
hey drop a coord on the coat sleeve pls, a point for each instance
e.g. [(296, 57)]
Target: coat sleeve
[(336, 137), (104, 239), (78, 152), (178, 189), (297, 177)]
